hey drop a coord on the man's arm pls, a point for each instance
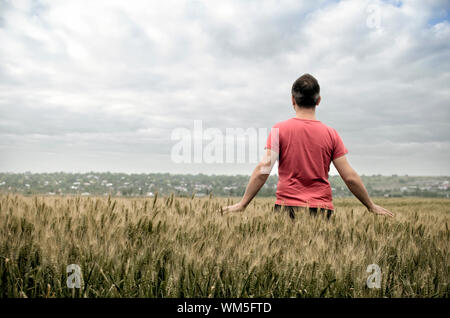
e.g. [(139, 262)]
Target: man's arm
[(356, 186), (257, 180)]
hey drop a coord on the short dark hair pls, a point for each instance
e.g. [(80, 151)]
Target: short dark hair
[(306, 91)]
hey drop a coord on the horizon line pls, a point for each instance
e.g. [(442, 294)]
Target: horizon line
[(201, 173)]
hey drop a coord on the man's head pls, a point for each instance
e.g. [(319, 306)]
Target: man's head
[(306, 91)]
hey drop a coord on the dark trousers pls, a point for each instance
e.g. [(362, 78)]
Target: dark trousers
[(312, 211)]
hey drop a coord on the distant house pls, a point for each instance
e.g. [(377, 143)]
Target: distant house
[(229, 188)]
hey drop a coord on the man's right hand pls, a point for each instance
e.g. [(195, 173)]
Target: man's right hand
[(376, 209)]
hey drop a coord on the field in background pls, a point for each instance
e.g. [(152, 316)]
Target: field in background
[(183, 247)]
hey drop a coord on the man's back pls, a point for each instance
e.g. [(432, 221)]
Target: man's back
[(306, 149)]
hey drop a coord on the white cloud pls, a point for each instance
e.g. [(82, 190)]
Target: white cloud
[(114, 77)]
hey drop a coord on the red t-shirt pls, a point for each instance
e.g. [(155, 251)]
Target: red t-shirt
[(306, 148)]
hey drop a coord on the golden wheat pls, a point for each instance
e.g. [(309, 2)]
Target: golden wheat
[(184, 247)]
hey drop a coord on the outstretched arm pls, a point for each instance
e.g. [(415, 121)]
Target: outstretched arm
[(257, 180), (356, 186)]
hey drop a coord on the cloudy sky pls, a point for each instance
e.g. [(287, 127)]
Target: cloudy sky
[(102, 85)]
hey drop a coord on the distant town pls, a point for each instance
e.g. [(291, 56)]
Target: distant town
[(147, 185)]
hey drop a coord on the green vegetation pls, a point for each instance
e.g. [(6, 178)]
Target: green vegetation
[(122, 184)]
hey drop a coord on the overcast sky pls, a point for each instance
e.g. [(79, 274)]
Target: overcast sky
[(101, 85)]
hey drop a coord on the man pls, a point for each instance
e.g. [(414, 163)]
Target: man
[(304, 148)]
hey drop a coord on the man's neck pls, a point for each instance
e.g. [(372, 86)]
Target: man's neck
[(305, 113)]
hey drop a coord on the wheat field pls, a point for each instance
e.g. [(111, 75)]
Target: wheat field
[(184, 247)]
